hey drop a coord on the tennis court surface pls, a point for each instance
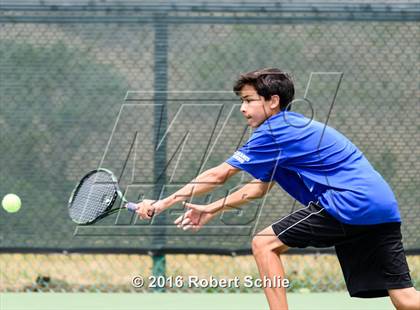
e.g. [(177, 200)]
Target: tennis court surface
[(184, 301)]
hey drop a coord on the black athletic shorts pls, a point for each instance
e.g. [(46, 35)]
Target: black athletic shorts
[(372, 257)]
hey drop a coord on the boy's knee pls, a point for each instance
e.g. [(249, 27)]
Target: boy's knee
[(261, 245), (404, 304), (257, 245), (405, 299)]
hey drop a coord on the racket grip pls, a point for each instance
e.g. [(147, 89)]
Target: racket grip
[(131, 206)]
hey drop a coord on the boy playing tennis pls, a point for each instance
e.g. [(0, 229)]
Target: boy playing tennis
[(348, 204)]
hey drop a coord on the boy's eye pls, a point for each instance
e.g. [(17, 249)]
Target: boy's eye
[(248, 100)]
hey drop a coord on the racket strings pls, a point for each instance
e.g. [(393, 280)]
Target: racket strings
[(93, 197)]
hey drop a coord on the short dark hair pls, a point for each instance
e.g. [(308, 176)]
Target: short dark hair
[(268, 82)]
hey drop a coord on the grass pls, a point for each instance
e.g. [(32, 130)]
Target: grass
[(114, 273)]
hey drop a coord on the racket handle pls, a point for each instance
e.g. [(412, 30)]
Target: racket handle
[(131, 206)]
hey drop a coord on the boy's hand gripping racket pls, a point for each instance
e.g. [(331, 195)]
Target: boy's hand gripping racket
[(92, 199)]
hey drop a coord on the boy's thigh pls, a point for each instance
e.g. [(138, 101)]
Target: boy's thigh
[(309, 226), (372, 257), (375, 262)]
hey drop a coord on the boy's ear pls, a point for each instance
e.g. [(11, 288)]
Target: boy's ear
[(275, 102)]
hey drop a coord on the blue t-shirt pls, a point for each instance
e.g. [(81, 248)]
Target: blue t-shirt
[(314, 162)]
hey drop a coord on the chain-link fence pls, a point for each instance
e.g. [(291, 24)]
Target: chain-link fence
[(81, 84), (73, 272)]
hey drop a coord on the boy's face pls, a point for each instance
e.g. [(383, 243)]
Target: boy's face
[(255, 108)]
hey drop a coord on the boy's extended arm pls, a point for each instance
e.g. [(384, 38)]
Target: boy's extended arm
[(203, 183), (198, 215), (253, 190)]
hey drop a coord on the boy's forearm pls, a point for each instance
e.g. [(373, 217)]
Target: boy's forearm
[(204, 183), (250, 191)]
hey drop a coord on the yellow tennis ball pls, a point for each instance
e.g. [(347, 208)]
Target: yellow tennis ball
[(11, 203)]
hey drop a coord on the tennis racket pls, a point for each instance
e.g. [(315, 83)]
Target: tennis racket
[(92, 199)]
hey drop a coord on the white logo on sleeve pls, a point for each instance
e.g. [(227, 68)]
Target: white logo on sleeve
[(241, 157)]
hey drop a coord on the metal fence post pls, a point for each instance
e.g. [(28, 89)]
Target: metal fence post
[(160, 126)]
